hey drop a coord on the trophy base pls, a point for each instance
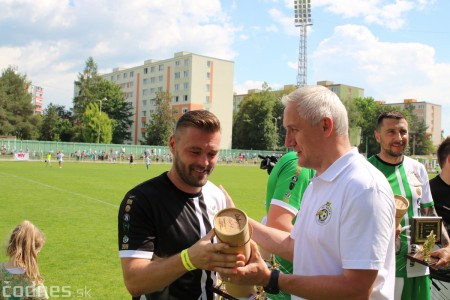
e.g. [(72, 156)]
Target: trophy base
[(418, 257)]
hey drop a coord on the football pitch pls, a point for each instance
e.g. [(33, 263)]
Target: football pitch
[(76, 207)]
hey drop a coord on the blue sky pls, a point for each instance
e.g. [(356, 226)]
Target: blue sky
[(395, 50)]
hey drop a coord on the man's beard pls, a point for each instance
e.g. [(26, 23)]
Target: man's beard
[(186, 173)]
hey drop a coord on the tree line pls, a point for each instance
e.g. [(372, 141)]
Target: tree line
[(101, 114)]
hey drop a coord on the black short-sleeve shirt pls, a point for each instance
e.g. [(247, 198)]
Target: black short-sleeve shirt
[(156, 218)]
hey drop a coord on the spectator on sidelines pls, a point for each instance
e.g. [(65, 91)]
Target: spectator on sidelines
[(19, 276)]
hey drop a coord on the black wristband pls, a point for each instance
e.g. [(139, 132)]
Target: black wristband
[(272, 286)]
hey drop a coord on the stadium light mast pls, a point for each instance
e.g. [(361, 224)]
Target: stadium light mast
[(302, 20)]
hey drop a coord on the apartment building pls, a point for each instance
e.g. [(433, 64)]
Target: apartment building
[(430, 113), (194, 82), (37, 98), (344, 92)]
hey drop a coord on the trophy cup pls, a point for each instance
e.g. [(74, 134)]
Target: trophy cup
[(423, 231), (231, 227), (401, 207)]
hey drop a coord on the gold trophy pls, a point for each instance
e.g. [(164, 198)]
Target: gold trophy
[(423, 230), (231, 227)]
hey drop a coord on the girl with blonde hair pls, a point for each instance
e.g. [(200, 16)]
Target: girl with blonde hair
[(19, 276)]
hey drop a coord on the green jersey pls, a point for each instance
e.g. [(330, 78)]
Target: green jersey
[(409, 179), (285, 187)]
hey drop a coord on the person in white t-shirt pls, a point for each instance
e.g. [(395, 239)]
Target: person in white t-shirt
[(343, 241), (59, 157)]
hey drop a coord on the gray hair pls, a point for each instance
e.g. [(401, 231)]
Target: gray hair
[(315, 102)]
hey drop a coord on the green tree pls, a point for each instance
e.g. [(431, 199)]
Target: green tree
[(364, 115), (97, 127), (161, 124), (255, 126), (86, 87), (420, 142), (16, 110), (56, 124), (117, 109), (92, 88)]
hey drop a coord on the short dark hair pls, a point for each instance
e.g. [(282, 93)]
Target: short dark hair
[(201, 119), (390, 114), (443, 151)]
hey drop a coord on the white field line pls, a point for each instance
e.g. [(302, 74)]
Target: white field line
[(63, 190)]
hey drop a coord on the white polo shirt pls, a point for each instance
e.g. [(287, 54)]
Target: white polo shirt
[(346, 221)]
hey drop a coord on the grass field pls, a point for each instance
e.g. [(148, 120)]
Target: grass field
[(76, 207)]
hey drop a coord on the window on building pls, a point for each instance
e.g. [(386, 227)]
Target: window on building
[(131, 74), (161, 68), (112, 78), (153, 79), (186, 85), (185, 110), (145, 81), (152, 90), (118, 76), (186, 62), (186, 74), (143, 124), (125, 75), (208, 75), (177, 75), (185, 97), (208, 63), (145, 70), (207, 87), (131, 94), (144, 102), (176, 98), (177, 63), (160, 89), (207, 99), (177, 87), (144, 92), (152, 69), (144, 113), (131, 83), (160, 78)]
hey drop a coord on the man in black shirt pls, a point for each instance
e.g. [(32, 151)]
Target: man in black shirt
[(165, 223), (440, 185)]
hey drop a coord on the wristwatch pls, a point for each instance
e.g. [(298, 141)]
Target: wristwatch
[(272, 286)]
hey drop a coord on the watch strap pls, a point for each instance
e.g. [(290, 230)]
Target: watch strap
[(272, 286)]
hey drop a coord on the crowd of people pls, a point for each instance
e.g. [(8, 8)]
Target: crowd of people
[(329, 230)]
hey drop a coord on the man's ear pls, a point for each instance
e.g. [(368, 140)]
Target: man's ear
[(327, 125), (376, 134), (172, 143)]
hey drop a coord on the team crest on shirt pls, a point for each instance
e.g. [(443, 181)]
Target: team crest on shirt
[(323, 215)]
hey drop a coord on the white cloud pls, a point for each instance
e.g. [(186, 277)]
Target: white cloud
[(387, 71), (386, 13), (59, 36)]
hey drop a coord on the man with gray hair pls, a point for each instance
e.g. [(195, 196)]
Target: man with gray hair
[(342, 244)]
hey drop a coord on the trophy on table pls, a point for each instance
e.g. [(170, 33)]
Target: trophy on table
[(425, 232)]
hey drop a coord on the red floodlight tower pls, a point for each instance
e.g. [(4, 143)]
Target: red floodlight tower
[(302, 20)]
